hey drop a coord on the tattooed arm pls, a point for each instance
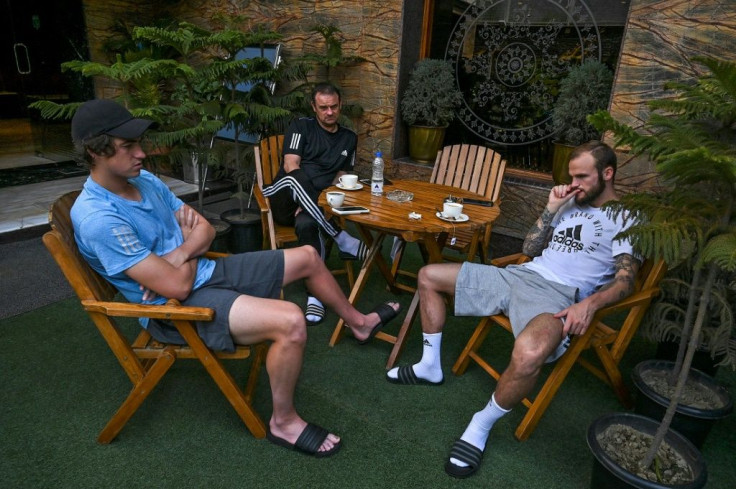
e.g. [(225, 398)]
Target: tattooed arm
[(538, 237), (578, 316)]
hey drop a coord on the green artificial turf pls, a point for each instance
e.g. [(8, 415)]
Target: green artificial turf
[(61, 385)]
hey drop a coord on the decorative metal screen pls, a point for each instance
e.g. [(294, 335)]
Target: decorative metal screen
[(509, 57)]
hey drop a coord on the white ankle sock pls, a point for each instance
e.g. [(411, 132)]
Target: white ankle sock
[(429, 367), (315, 301), (347, 243), (480, 427)]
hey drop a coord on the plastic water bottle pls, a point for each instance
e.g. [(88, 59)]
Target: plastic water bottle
[(377, 176)]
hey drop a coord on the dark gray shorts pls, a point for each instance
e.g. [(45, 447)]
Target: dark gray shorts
[(258, 274), (519, 293)]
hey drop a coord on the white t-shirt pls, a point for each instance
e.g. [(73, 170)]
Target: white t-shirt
[(582, 251)]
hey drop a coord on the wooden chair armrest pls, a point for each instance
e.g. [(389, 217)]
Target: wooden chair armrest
[(215, 254), (260, 199), (171, 310), (515, 259), (640, 297)]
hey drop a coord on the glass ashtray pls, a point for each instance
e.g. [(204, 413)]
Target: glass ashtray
[(400, 196)]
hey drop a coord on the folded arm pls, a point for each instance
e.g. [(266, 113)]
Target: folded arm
[(172, 275)]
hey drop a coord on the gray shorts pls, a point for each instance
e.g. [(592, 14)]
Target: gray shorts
[(258, 274), (515, 291)]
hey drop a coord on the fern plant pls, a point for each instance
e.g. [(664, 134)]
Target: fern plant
[(191, 93), (691, 221)]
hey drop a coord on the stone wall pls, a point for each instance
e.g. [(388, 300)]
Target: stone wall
[(101, 17)]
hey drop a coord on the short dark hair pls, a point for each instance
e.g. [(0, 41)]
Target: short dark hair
[(103, 145), (325, 88), (602, 154)]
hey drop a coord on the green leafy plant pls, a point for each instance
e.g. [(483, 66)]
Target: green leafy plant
[(585, 89), (191, 93), (431, 97), (691, 220)]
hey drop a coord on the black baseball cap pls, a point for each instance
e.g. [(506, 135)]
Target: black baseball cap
[(97, 117)]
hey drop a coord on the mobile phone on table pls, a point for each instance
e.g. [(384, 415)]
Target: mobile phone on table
[(350, 209), (484, 203)]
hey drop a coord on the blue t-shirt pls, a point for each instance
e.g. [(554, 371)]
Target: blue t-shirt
[(114, 234)]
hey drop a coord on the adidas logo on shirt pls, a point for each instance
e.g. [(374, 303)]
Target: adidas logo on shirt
[(569, 237)]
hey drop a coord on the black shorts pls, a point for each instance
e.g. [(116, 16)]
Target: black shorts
[(257, 274)]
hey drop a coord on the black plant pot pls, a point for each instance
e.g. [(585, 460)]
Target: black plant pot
[(246, 234), (607, 474), (222, 235), (694, 423), (667, 350)]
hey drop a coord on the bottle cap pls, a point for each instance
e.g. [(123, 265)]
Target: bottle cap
[(378, 154)]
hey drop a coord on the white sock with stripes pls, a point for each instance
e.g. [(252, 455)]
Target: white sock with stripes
[(312, 312), (480, 427)]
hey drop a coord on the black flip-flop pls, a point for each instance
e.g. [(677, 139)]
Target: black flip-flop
[(467, 454), (386, 313), (406, 376), (308, 442)]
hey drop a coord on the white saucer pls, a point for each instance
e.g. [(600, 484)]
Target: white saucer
[(358, 186), (460, 218)]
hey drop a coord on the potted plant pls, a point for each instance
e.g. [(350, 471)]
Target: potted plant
[(428, 105), (583, 91), (691, 139)]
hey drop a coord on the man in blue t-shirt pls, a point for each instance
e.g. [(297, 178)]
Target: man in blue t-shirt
[(138, 235), (579, 267), (317, 151)]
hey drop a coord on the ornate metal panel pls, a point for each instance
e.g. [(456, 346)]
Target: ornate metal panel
[(508, 58)]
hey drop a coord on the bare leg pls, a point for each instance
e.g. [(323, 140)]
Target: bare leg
[(434, 282), (254, 319), (532, 347), (305, 263)]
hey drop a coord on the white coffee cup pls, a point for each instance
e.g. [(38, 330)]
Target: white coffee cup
[(335, 199), (452, 209), (349, 181)]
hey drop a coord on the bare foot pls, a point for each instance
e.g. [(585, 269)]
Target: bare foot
[(372, 319)]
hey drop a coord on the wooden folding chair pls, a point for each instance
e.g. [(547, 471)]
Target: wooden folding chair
[(468, 167), (145, 360), (275, 236), (608, 342)]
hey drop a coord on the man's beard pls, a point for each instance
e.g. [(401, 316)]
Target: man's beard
[(594, 193)]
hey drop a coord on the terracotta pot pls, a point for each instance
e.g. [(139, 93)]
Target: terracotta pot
[(425, 142), (607, 474)]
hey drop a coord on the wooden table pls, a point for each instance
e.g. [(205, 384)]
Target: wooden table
[(387, 217)]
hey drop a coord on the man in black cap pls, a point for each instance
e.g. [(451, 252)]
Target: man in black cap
[(138, 235)]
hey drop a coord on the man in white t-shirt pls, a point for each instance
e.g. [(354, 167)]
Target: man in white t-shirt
[(578, 268)]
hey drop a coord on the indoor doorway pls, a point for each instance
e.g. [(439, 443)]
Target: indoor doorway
[(37, 36)]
